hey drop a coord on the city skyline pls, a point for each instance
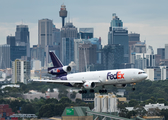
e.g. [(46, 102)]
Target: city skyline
[(142, 17)]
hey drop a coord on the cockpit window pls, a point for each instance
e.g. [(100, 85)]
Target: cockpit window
[(141, 72)]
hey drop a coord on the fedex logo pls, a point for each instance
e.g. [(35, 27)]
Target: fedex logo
[(118, 75)]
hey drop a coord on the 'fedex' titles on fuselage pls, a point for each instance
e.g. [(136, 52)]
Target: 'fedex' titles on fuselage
[(118, 75)]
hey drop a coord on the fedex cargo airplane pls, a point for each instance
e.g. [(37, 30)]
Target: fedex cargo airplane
[(89, 80)]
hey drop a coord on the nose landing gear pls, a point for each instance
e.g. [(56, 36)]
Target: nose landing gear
[(133, 86)]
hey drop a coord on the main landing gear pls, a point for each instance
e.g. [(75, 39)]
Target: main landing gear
[(103, 90), (85, 91), (133, 86)]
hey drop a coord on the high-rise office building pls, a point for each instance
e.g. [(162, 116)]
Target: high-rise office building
[(16, 52), (67, 50), (97, 42), (119, 35), (113, 56), (4, 56), (166, 51), (143, 60), (139, 47), (161, 51), (116, 22), (53, 48), (11, 40), (69, 31), (21, 71), (56, 36), (37, 53), (87, 55), (134, 37), (86, 33), (22, 38), (45, 28)]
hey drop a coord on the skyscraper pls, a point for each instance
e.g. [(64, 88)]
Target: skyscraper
[(67, 50), (113, 56), (37, 53), (56, 36), (119, 35), (97, 42), (161, 51), (87, 55), (45, 27), (69, 31), (11, 40), (22, 38), (86, 33), (4, 56)]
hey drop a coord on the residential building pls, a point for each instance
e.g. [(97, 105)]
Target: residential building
[(21, 71), (4, 56), (35, 65)]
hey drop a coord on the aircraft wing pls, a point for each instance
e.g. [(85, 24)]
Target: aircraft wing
[(65, 81)]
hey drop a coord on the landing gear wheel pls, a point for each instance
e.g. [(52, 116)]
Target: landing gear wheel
[(133, 89), (82, 91), (102, 91), (91, 91)]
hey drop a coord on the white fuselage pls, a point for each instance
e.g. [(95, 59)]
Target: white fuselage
[(107, 77)]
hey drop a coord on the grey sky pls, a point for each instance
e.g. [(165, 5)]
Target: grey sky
[(146, 17)]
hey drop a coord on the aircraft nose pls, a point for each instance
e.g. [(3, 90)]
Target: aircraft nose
[(145, 76)]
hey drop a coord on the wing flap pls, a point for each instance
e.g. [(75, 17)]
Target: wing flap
[(65, 81), (57, 81)]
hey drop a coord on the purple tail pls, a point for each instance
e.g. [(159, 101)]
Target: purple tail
[(55, 60)]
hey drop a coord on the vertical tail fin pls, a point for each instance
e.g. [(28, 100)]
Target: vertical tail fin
[(55, 60)]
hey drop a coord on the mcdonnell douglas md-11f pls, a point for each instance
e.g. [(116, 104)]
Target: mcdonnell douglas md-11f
[(89, 80)]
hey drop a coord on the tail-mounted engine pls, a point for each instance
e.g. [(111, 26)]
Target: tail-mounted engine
[(60, 70)]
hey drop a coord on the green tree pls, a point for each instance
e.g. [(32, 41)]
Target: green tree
[(123, 112), (73, 95), (153, 112), (65, 100), (28, 109), (164, 112), (133, 103), (140, 111), (161, 100)]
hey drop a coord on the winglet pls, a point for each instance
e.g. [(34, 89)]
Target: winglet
[(55, 60)]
